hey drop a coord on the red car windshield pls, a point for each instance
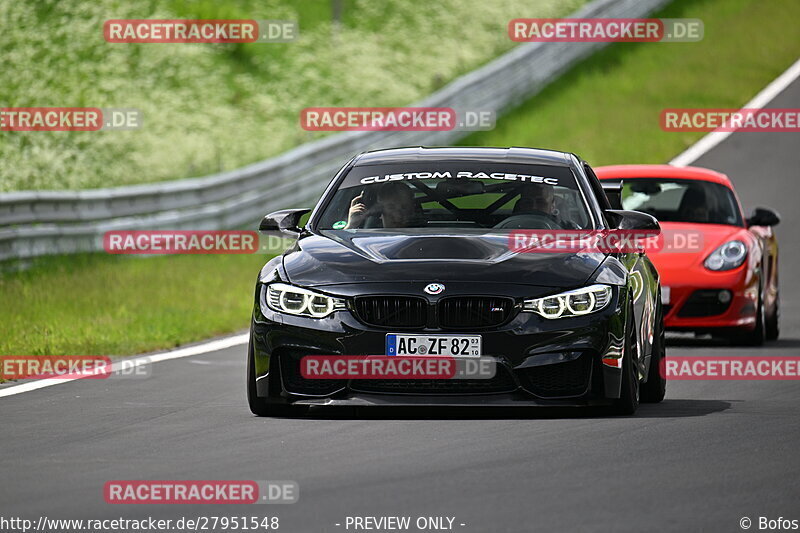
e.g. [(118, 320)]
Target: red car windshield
[(675, 200)]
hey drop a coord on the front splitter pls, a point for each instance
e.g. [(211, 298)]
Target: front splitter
[(484, 400)]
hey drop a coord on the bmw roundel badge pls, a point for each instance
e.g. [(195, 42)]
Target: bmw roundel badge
[(434, 288)]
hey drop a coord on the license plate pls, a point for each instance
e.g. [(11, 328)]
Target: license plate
[(664, 295), (433, 345)]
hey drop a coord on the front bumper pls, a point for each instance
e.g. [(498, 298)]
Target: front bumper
[(539, 361), (695, 305)]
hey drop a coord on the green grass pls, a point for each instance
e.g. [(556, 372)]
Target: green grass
[(607, 109), (209, 108), (119, 305)]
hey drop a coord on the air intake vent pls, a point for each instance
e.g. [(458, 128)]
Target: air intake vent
[(464, 312), (392, 311)]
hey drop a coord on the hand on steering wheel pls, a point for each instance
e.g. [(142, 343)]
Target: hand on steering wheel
[(524, 221)]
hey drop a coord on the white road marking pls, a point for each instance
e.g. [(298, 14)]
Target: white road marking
[(695, 151), (206, 347)]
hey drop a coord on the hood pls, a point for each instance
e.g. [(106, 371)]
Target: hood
[(337, 257), (675, 255)]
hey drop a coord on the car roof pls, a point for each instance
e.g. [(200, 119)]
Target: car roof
[(532, 156), (662, 171)]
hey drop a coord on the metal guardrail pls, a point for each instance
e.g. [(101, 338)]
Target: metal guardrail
[(34, 223)]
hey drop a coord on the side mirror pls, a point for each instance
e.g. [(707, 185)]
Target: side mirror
[(285, 220), (632, 220), (763, 216), (613, 190)]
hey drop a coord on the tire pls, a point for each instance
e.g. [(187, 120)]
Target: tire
[(655, 388), (757, 336), (259, 406), (773, 321), (628, 400)]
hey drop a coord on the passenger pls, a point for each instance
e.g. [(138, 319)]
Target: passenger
[(395, 206)]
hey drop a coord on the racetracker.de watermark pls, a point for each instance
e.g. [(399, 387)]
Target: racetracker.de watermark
[(729, 120), (605, 241), (69, 119), (195, 523), (731, 368), (54, 367), (15, 367), (396, 367), (194, 31), (395, 119), (200, 492), (605, 30), (171, 242)]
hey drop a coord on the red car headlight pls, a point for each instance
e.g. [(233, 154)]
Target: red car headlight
[(728, 256)]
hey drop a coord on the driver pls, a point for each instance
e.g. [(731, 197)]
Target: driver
[(537, 197), (693, 206), (394, 204)]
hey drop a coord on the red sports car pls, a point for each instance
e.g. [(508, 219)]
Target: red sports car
[(719, 270)]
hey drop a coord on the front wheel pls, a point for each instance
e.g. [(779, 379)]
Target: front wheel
[(259, 406), (628, 400), (773, 319), (655, 388), (757, 336)]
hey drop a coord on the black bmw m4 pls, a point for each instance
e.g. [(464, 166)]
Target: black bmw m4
[(410, 252)]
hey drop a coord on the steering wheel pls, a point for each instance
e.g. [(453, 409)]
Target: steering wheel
[(530, 220)]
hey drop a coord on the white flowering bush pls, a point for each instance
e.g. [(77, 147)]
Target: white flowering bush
[(209, 108)]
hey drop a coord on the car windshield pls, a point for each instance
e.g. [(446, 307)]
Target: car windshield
[(674, 200), (456, 194)]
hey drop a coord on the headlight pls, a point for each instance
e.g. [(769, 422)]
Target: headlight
[(571, 303), (729, 255), (298, 301)]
